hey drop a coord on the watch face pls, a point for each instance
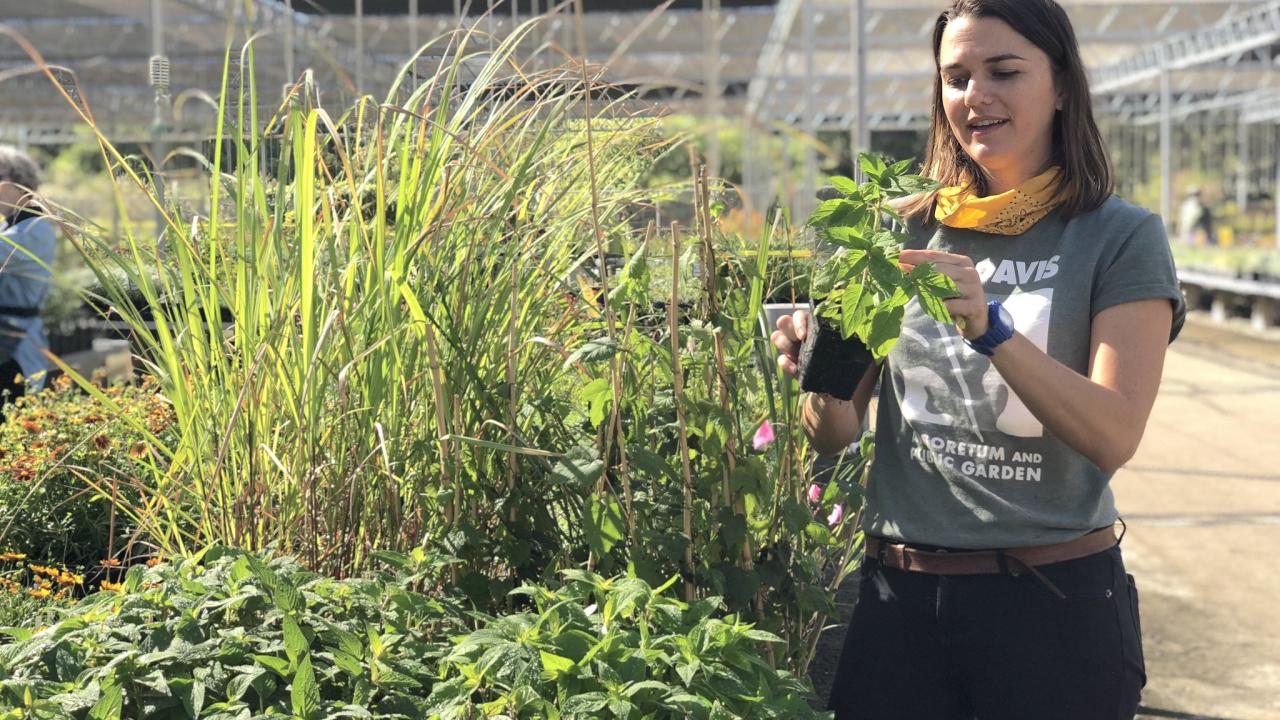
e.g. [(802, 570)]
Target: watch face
[(1005, 318)]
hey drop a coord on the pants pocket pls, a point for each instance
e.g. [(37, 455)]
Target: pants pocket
[(1136, 618)]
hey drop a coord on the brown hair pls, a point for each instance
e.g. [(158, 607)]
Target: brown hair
[(1085, 179)]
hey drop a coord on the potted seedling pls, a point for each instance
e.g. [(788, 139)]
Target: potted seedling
[(861, 293)]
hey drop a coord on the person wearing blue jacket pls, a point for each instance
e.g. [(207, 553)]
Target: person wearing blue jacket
[(26, 255)]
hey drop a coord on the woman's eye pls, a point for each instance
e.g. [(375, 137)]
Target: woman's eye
[(957, 82), (1004, 74)]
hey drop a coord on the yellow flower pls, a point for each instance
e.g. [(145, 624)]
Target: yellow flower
[(11, 556), (107, 585), (40, 594)]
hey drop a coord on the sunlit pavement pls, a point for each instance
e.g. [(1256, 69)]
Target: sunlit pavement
[(1202, 503)]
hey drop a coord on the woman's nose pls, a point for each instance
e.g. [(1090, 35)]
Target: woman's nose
[(976, 95)]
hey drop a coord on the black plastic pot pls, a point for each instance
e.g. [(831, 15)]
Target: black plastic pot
[(830, 363)]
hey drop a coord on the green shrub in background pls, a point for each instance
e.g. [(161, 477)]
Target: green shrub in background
[(239, 637), (410, 361), (64, 457)]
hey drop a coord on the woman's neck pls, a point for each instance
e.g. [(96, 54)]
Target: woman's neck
[(1000, 183)]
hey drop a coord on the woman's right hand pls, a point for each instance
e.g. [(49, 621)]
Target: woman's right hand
[(791, 332)]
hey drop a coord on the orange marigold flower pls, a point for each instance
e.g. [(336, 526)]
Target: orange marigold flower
[(11, 556), (41, 594), (107, 585), (44, 570), (153, 562), (68, 578)]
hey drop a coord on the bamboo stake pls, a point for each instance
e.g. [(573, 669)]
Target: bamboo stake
[(677, 374)]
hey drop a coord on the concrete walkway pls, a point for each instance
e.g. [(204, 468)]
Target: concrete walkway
[(1202, 503)]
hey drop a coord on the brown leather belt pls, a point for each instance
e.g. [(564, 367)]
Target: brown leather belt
[(983, 562)]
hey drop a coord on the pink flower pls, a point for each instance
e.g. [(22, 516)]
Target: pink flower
[(764, 435), (815, 493), (837, 514)]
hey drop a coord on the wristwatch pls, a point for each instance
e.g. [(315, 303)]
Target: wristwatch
[(999, 329)]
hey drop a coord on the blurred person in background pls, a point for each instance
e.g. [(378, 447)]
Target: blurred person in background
[(1195, 219), (26, 255)]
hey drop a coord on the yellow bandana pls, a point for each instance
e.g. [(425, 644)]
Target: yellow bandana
[(1009, 213)]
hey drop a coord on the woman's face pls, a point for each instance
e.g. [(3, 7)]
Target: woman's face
[(1000, 98)]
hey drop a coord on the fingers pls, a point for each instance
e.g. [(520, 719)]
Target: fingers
[(791, 332), (788, 365), (969, 309), (937, 257)]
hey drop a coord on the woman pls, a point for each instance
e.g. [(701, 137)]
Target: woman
[(993, 585), (26, 254)]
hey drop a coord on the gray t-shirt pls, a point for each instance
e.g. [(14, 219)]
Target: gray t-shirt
[(960, 460)]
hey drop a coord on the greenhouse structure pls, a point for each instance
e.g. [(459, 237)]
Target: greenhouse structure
[(582, 359)]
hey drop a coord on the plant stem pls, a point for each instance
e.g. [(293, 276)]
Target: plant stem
[(677, 374)]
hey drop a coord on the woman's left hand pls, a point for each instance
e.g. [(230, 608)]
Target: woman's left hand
[(970, 309)]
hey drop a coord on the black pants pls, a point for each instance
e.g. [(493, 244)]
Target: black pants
[(10, 390), (993, 647)]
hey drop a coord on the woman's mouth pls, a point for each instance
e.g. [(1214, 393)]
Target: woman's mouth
[(986, 127)]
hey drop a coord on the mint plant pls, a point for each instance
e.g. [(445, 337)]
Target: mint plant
[(862, 290)]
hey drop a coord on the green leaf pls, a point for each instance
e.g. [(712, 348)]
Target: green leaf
[(240, 684), (886, 273), (591, 702), (278, 665), (598, 395), (843, 185), (295, 641), (348, 663), (580, 468), (872, 165), (932, 287), (191, 692), (886, 325), (304, 693), (687, 671), (821, 216), (593, 351), (854, 306), (109, 705), (554, 666), (288, 598), (604, 524), (912, 184)]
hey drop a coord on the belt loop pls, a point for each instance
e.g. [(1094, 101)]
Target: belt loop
[(1124, 527), (1002, 562)]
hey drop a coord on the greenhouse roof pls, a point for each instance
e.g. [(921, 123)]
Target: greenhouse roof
[(793, 62)]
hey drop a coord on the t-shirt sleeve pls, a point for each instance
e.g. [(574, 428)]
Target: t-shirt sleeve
[(1141, 268)]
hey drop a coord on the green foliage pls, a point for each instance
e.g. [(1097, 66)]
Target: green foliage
[(64, 457), (864, 291), (238, 636), (413, 358), (234, 637), (394, 286), (1245, 262), (616, 648)]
